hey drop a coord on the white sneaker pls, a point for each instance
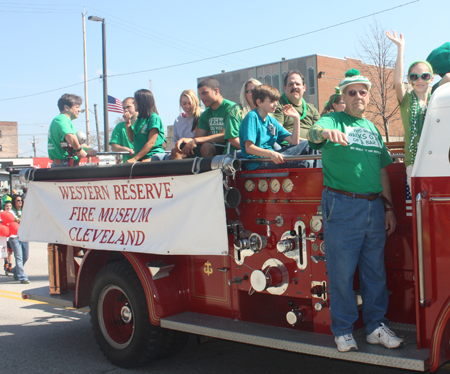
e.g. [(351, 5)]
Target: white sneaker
[(346, 343), (385, 336)]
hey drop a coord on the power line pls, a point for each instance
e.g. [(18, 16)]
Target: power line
[(44, 92), (271, 43), (226, 54)]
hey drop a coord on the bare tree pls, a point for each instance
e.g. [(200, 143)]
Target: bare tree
[(378, 56)]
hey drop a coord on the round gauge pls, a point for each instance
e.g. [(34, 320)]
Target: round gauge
[(288, 185), (249, 185), (316, 224), (263, 185), (322, 247), (315, 247), (275, 185)]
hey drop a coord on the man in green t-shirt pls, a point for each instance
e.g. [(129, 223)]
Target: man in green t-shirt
[(357, 213), (119, 139), (210, 129), (62, 130), (294, 88)]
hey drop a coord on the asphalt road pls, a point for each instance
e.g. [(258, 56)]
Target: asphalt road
[(41, 338)]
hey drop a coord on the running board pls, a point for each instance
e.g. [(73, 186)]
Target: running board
[(407, 357), (66, 300)]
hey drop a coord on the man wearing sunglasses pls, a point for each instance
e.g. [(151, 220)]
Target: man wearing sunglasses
[(357, 215)]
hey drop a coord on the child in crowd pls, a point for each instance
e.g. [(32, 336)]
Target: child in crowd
[(413, 105), (148, 132), (335, 103), (259, 132), (8, 261)]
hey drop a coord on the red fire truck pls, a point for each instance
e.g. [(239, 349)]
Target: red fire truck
[(254, 273)]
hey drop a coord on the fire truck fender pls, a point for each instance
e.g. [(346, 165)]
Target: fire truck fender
[(439, 345), (165, 296), (92, 262)]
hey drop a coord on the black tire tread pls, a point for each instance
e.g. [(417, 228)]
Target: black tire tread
[(151, 338)]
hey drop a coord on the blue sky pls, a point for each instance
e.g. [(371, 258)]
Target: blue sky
[(42, 47)]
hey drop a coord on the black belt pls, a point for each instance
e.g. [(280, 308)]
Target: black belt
[(370, 197)]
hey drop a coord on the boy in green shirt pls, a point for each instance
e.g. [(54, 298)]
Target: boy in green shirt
[(62, 130), (211, 122), (119, 139)]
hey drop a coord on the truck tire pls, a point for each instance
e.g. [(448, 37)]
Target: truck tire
[(120, 319)]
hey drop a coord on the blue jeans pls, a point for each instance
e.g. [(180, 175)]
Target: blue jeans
[(21, 251), (355, 235), (293, 150)]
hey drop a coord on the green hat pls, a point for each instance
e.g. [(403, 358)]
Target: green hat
[(439, 59), (353, 77)]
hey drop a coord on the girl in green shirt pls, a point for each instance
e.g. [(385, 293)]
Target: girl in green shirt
[(413, 105), (148, 133)]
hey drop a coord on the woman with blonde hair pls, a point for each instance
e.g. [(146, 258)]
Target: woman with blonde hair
[(238, 113), (185, 124)]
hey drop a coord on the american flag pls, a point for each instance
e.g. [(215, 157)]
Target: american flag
[(408, 200), (114, 105)]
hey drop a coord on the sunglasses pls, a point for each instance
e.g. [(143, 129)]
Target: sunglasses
[(414, 77), (362, 93)]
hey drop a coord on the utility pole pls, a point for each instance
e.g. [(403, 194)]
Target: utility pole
[(34, 145), (98, 131), (88, 133)]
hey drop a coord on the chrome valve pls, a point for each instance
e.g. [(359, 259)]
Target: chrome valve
[(257, 242), (286, 245), (279, 221), (241, 244)]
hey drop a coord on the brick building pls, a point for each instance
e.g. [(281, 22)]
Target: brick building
[(322, 74), (9, 141)]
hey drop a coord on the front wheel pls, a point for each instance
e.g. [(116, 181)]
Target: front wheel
[(120, 320)]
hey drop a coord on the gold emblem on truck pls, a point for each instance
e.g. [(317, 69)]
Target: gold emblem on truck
[(208, 269)]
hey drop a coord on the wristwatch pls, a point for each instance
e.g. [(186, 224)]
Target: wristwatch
[(78, 150)]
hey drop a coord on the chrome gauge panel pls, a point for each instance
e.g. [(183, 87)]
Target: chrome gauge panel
[(288, 185), (275, 185), (263, 185)]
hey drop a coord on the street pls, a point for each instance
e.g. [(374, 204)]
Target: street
[(40, 338)]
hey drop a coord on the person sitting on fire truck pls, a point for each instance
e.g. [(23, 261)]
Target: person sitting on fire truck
[(294, 88), (62, 130), (148, 132), (357, 214), (238, 113), (259, 132), (211, 122), (119, 139), (185, 125)]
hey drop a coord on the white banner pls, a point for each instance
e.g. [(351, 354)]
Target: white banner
[(164, 215)]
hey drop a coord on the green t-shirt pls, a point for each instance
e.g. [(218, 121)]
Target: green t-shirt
[(356, 167), (141, 130), (405, 111), (214, 120), (59, 128), (119, 136), (233, 123), (312, 115)]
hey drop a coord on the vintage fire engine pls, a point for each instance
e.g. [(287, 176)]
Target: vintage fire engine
[(269, 287)]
